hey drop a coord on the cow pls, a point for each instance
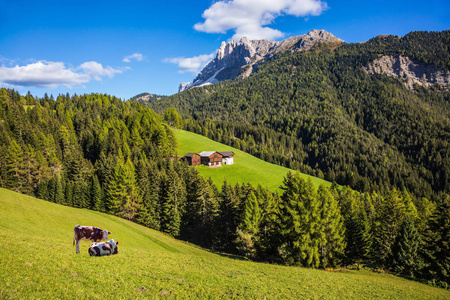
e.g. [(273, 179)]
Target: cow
[(92, 233), (105, 248)]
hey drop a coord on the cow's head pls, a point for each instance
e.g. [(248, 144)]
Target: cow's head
[(105, 234)]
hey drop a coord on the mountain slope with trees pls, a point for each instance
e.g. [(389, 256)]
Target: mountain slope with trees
[(320, 112), (95, 151)]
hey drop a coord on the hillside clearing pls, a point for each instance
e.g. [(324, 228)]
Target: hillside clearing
[(246, 168), (37, 260)]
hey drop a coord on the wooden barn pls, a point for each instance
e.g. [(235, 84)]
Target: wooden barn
[(227, 157), (211, 158), (193, 159)]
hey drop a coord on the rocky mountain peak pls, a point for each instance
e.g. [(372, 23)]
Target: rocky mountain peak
[(233, 56)]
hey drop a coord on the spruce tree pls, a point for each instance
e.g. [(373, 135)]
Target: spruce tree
[(228, 219), (59, 190), (437, 244), (247, 233), (332, 231), (266, 248), (389, 220), (122, 195), (51, 190), (96, 194), (300, 222), (202, 209), (15, 167), (172, 202), (406, 250), (358, 236)]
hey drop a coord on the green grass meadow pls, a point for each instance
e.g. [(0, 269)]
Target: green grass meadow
[(38, 261), (246, 168)]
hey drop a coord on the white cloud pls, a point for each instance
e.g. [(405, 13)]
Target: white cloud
[(53, 74), (191, 64), (134, 56), (249, 17)]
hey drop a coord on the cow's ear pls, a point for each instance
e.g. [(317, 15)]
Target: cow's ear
[(117, 243), (109, 232)]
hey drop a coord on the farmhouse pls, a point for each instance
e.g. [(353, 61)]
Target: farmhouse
[(192, 158), (227, 157), (211, 158)]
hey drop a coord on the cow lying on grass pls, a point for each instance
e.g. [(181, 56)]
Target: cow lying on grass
[(92, 233), (105, 248)]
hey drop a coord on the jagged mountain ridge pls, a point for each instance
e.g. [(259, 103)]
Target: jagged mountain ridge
[(238, 58)]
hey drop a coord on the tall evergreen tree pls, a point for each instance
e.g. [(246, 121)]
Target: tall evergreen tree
[(300, 222), (228, 219), (122, 195), (332, 231), (202, 209), (358, 236), (96, 194), (15, 167), (437, 244), (390, 218), (406, 250), (248, 231), (172, 203)]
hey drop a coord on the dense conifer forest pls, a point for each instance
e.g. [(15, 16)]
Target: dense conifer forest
[(319, 112), (315, 111)]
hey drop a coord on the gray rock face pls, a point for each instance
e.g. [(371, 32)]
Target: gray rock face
[(233, 57), (409, 71)]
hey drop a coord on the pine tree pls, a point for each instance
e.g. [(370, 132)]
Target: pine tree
[(51, 190), (406, 250), (266, 247), (358, 236), (252, 215), (300, 222), (332, 231), (228, 219), (133, 200), (201, 211), (437, 245), (59, 192), (96, 194), (122, 197), (172, 201), (390, 218), (247, 233), (15, 167)]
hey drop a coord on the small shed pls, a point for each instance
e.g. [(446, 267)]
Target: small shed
[(227, 157), (193, 159), (211, 158)]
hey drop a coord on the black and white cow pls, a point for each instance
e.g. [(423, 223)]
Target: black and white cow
[(105, 248)]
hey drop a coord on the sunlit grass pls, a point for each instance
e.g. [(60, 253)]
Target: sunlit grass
[(246, 168), (37, 260)]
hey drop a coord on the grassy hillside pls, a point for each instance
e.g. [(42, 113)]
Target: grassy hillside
[(37, 260), (246, 168)]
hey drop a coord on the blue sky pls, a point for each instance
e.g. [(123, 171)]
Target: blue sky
[(124, 48)]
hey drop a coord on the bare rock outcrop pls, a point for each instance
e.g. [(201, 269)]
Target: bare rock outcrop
[(409, 71)]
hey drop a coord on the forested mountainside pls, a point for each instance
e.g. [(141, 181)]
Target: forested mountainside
[(322, 113), (95, 151)]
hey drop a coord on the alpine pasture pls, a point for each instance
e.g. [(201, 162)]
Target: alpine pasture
[(37, 260), (246, 168)]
